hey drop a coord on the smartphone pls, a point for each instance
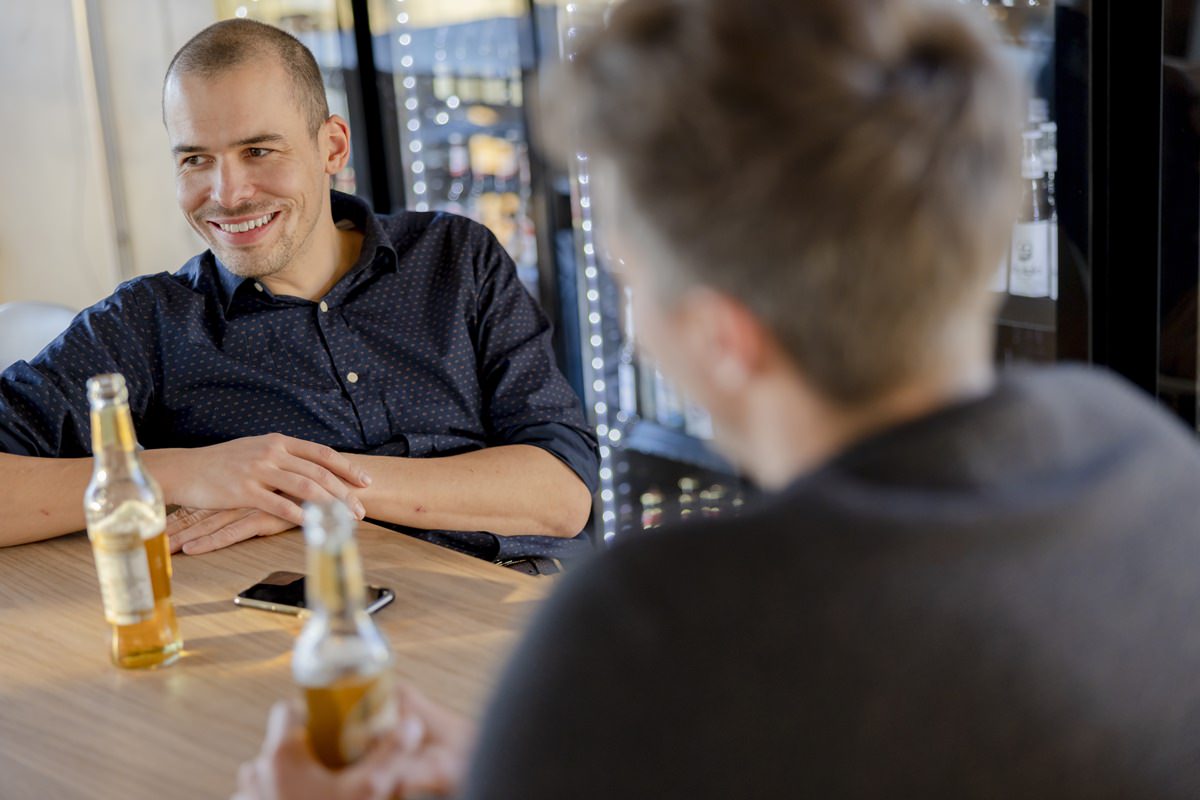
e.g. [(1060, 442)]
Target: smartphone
[(283, 592)]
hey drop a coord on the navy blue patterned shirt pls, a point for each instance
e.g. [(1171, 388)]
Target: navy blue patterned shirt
[(428, 346)]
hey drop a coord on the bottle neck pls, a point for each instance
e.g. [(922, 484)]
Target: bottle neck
[(113, 442), (335, 582)]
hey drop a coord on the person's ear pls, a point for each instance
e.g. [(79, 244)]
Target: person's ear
[(335, 136), (724, 341)]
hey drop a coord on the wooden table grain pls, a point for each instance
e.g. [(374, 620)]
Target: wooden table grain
[(74, 726)]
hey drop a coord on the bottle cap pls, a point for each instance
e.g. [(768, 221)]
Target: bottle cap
[(109, 388)]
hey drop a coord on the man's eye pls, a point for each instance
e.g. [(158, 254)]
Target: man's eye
[(192, 161), (257, 152)]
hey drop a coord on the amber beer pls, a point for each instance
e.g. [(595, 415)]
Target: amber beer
[(341, 660), (126, 524)]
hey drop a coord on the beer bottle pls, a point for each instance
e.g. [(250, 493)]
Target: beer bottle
[(126, 524), (340, 660)]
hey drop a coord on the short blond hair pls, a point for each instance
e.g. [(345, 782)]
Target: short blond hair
[(846, 168)]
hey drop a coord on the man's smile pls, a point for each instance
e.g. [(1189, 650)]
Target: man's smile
[(243, 230)]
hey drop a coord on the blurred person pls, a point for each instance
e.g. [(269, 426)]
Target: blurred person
[(312, 345), (962, 584)]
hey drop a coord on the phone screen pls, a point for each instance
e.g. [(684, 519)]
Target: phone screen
[(284, 592)]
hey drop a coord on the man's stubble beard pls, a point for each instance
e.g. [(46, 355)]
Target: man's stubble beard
[(248, 265)]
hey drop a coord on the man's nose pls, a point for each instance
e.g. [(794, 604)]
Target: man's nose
[(232, 185)]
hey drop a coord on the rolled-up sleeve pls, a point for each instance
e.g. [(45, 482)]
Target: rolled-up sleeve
[(527, 400), (43, 402)]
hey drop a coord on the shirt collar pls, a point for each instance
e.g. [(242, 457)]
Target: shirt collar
[(347, 209)]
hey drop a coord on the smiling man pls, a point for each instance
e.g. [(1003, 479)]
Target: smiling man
[(314, 350)]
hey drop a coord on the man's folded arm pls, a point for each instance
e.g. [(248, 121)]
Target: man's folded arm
[(517, 489)]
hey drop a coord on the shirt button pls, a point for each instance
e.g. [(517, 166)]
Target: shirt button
[(258, 286), (324, 306), (352, 377)]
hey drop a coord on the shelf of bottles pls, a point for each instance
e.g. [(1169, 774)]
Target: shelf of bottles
[(1027, 276), (324, 29), (657, 465), (459, 73)]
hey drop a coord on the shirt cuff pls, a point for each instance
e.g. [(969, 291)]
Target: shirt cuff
[(574, 447)]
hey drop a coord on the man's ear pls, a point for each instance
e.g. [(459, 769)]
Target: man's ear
[(335, 132), (724, 340)]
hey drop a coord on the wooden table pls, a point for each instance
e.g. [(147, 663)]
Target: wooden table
[(72, 725)]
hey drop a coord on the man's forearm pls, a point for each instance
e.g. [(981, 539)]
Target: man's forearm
[(41, 497), (509, 490)]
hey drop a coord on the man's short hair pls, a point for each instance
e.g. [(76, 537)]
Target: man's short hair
[(848, 169), (231, 43)]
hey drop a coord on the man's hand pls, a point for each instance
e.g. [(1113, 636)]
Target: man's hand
[(437, 745), (197, 531), (424, 756), (274, 474), (286, 770)]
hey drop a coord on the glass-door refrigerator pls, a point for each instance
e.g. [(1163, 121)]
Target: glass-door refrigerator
[(1042, 281), (657, 462), (458, 73)]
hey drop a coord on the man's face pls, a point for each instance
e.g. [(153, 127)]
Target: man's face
[(249, 176)]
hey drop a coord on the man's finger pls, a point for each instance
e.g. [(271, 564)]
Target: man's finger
[(331, 459), (304, 488), (331, 483), (278, 505), (207, 525), (431, 772), (375, 774), (184, 518), (281, 720), (254, 524)]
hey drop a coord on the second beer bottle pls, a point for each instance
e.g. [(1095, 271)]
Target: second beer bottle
[(340, 660)]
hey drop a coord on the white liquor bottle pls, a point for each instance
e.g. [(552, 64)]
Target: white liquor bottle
[(1029, 262)]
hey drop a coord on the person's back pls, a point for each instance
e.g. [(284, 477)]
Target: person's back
[(961, 584), (995, 600)]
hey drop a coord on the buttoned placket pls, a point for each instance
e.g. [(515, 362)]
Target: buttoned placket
[(353, 374)]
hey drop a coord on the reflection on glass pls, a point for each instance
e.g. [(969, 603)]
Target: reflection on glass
[(459, 80), (1027, 276), (324, 31)]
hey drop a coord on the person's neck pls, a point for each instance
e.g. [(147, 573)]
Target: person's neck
[(791, 431), (330, 255)]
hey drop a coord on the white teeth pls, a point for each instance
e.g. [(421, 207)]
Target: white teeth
[(242, 227)]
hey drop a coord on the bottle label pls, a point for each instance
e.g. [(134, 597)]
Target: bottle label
[(125, 584), (1029, 273)]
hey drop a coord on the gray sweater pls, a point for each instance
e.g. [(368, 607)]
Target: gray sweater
[(999, 600)]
